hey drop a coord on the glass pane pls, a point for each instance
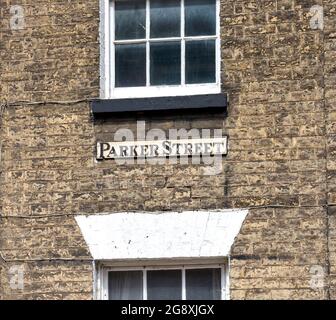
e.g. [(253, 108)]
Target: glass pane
[(165, 63), (201, 61), (203, 284), (164, 285), (165, 18), (125, 285), (200, 17), (130, 65), (130, 19)]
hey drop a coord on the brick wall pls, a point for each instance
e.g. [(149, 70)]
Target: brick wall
[(280, 76), (330, 99)]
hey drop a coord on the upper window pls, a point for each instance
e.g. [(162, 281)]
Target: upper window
[(170, 283), (161, 48)]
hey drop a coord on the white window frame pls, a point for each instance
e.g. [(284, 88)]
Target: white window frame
[(107, 88), (104, 268)]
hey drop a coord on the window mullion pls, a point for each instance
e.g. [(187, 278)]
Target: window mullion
[(182, 45), (184, 294), (147, 43), (144, 285)]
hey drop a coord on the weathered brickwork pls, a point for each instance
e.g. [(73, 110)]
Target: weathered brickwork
[(330, 100), (280, 77)]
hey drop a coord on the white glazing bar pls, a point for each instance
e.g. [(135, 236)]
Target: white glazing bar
[(200, 37), (165, 39), (129, 41), (182, 45), (147, 43)]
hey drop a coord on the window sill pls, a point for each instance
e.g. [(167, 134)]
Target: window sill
[(163, 91), (210, 102)]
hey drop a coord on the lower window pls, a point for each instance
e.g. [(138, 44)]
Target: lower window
[(165, 283)]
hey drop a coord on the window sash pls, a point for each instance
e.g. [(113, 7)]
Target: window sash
[(111, 91), (224, 277), (131, 41)]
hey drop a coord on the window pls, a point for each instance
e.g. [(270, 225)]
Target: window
[(160, 48), (165, 283)]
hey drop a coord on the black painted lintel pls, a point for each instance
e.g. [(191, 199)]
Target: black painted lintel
[(207, 103)]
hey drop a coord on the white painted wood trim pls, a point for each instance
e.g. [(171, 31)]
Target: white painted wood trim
[(103, 276), (164, 39), (111, 45), (107, 58), (144, 279), (182, 44), (165, 91), (184, 289), (218, 45), (104, 45), (147, 43), (227, 279)]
